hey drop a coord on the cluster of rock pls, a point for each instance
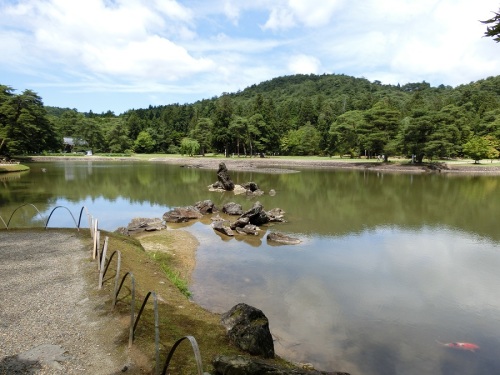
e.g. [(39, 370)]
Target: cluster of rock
[(224, 183), (247, 223), (248, 329)]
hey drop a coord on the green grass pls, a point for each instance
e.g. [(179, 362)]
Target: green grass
[(4, 168), (163, 260)]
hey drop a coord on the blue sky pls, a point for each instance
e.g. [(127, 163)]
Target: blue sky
[(117, 55)]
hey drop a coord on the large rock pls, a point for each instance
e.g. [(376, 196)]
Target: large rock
[(138, 225), (276, 215), (232, 208), (206, 207), (182, 214), (256, 214), (221, 227), (223, 177), (248, 229), (248, 328), (240, 223), (241, 365)]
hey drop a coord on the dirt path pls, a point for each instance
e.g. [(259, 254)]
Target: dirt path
[(52, 321)]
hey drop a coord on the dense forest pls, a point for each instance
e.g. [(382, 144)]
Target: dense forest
[(293, 115)]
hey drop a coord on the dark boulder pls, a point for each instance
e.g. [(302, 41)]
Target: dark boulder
[(182, 214), (240, 223), (223, 177), (256, 214), (248, 328), (252, 186), (241, 365), (232, 208), (206, 207)]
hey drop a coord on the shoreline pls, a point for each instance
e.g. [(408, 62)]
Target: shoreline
[(279, 164)]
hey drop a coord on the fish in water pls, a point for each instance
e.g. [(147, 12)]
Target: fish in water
[(461, 345)]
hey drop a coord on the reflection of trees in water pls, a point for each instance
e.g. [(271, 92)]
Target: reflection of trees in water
[(323, 202)]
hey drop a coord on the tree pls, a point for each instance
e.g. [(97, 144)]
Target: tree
[(303, 141), (477, 148), (345, 133), (118, 141), (144, 143), (202, 133), (493, 31), (222, 119), (237, 128), (381, 126), (91, 133), (189, 146), (25, 125)]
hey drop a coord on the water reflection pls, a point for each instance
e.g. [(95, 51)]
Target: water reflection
[(368, 303), (389, 264)]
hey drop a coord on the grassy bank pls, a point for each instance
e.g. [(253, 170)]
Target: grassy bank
[(5, 168), (177, 314)]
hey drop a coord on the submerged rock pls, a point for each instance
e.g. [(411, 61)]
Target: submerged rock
[(138, 225), (282, 239), (220, 226)]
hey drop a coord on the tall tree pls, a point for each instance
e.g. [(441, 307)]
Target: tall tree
[(238, 128), (117, 138), (26, 125), (493, 31), (222, 120), (202, 133)]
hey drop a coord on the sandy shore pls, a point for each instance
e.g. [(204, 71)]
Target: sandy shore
[(288, 165)]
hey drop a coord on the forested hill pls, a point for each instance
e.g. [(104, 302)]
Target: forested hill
[(298, 115)]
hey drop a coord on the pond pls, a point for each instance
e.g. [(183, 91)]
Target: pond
[(391, 265)]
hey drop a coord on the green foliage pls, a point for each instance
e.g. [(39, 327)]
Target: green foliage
[(303, 141), (341, 115), (144, 143), (189, 147), (25, 127), (477, 148), (163, 260), (493, 31), (202, 133)]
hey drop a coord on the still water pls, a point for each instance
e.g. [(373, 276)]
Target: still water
[(390, 265)]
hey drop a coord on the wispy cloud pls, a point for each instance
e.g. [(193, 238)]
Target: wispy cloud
[(201, 48)]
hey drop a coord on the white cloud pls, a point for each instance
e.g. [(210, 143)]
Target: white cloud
[(124, 40), (212, 46), (311, 13), (303, 64)]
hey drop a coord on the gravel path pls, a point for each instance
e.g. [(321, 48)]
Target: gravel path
[(51, 318)]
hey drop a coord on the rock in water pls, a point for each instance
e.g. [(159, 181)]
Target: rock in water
[(283, 239), (223, 177), (182, 214), (248, 329)]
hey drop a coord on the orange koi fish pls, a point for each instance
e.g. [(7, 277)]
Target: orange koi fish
[(461, 345)]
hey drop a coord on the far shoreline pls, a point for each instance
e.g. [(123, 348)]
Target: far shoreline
[(283, 164)]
